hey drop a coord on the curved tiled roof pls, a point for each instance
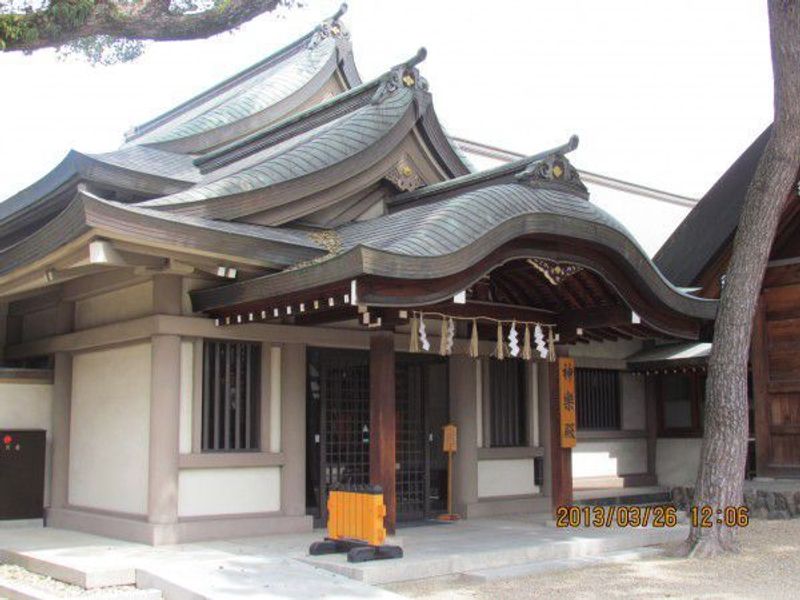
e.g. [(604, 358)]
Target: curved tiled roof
[(448, 225), (148, 170), (350, 135), (447, 237), (250, 97), (260, 94), (267, 246), (161, 163)]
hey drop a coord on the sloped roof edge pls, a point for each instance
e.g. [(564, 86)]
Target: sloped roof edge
[(702, 235), (265, 63)]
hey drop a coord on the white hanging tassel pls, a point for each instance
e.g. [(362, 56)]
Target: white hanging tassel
[(451, 335), (500, 350), (538, 336), (513, 340), (551, 344), (423, 336), (474, 351), (413, 336), (526, 344)]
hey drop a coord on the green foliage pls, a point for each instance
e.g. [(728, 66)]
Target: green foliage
[(90, 27), (103, 49), (57, 18)]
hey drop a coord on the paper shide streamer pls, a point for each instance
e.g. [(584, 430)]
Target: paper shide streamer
[(507, 344)]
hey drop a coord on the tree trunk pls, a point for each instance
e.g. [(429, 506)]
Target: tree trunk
[(724, 451)]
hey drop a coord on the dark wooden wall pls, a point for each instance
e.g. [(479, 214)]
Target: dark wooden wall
[(775, 358)]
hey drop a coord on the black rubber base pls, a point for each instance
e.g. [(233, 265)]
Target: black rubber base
[(356, 551)]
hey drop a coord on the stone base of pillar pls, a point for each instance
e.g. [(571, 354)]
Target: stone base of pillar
[(133, 529)]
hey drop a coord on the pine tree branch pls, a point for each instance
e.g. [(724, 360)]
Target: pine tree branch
[(65, 21)]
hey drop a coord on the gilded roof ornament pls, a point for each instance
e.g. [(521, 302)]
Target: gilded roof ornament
[(555, 272), (402, 75), (330, 27), (328, 239), (404, 176), (555, 168)]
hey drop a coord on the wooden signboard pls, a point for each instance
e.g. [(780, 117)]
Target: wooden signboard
[(449, 441), (566, 401)]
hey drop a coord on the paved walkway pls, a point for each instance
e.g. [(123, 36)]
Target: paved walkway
[(279, 565)]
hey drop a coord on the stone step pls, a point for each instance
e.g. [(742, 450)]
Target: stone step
[(86, 579), (31, 586), (566, 564), (460, 561)]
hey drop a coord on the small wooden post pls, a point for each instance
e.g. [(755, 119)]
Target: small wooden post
[(449, 445)]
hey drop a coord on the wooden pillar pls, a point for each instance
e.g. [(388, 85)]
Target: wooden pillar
[(165, 389), (560, 458), (62, 400), (382, 418), (761, 399)]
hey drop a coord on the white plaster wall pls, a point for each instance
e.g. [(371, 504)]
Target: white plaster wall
[(110, 429), (29, 406), (511, 477), (228, 491), (677, 461), (119, 305), (609, 458)]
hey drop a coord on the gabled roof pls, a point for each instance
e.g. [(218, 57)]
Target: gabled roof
[(710, 225), (157, 158), (254, 149), (315, 150), (145, 171), (257, 96), (355, 124)]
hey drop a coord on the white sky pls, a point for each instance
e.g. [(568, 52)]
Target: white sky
[(662, 93)]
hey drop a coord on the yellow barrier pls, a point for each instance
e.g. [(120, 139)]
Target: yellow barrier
[(357, 514)]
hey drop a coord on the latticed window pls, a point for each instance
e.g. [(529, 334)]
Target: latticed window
[(597, 394), (230, 396), (508, 417)]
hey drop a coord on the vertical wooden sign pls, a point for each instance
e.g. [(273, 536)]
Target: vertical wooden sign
[(566, 401)]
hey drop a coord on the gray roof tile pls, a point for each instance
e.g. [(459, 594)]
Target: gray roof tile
[(331, 143), (444, 226)]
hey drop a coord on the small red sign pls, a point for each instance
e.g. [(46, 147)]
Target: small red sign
[(7, 439)]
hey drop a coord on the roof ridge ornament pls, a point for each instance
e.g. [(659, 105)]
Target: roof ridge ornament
[(403, 75), (330, 27), (554, 168)]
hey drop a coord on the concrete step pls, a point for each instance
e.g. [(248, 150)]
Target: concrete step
[(425, 565), (86, 579), (553, 566), (36, 587)]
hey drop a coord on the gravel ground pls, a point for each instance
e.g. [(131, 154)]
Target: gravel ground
[(13, 573), (767, 567)]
